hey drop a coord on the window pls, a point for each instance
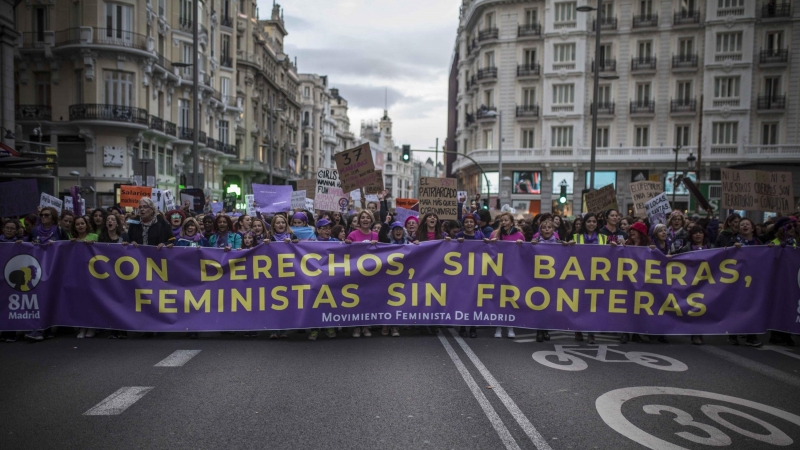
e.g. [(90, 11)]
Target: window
[(389, 168), (529, 57), (488, 21), (563, 53), (488, 139), (604, 94), (223, 131), (646, 7), (170, 164), (642, 136), (682, 136), (162, 8), (643, 93), (185, 12), (687, 6), (607, 10), (527, 138), (563, 94), (225, 86), (686, 47), (769, 134), (730, 3), (306, 92), (531, 17), (645, 49), (187, 59), (772, 87), (119, 21), (775, 41), (305, 140), (488, 97), (528, 97), (146, 151), (162, 157), (565, 12), (119, 88), (488, 59), (388, 156), (603, 136), (724, 133), (41, 22), (684, 91), (78, 86), (183, 113), (225, 49), (562, 136), (602, 178), (729, 42), (726, 87), (42, 88), (605, 54)]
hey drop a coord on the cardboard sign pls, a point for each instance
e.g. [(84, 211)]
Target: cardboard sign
[(68, 204), (641, 192), (48, 200), (757, 190), (250, 208), (438, 196), (401, 214), (298, 199), (601, 199), (356, 167), (326, 179), (272, 199), (355, 195), (18, 197), (309, 204), (407, 203), (158, 198), (377, 185), (169, 200), (658, 209), (310, 186), (130, 195), (331, 202)]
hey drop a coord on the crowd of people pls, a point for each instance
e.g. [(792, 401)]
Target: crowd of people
[(377, 223)]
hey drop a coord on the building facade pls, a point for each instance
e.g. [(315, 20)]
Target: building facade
[(398, 175), (344, 137), (109, 85), (714, 75)]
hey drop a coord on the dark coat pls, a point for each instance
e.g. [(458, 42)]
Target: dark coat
[(159, 233)]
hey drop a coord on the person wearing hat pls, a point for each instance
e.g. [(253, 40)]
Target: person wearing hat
[(176, 218), (324, 227), (784, 231), (412, 225), (394, 233), (638, 237), (470, 230)]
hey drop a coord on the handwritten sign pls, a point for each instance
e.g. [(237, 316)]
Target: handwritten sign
[(401, 214), (48, 200), (602, 199), (331, 202), (250, 208), (462, 196), (641, 192), (130, 195), (377, 185), (356, 167), (407, 203), (68, 203), (658, 209), (298, 199), (326, 179), (438, 196), (169, 200), (18, 197), (216, 207), (757, 190), (309, 204), (272, 199), (310, 186), (158, 198)]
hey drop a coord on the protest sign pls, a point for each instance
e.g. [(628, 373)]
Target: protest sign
[(326, 179), (438, 196), (757, 190), (48, 200), (309, 204), (355, 195), (641, 192), (68, 204), (407, 203), (601, 199), (250, 209), (196, 197), (310, 186), (372, 198), (303, 233), (658, 209), (130, 195), (298, 199), (331, 202), (158, 198), (272, 199), (169, 200), (401, 214), (216, 207), (377, 186), (18, 197), (356, 167)]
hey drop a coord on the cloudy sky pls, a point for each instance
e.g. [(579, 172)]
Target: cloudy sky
[(368, 46)]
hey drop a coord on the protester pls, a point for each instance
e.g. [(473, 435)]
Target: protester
[(244, 223), (546, 235), (676, 234), (784, 232), (611, 230), (637, 237), (67, 217), (98, 220), (112, 232), (259, 229), (730, 228), (483, 223), (625, 223), (659, 238), (745, 237), (149, 228), (176, 218), (10, 228), (81, 231), (190, 235), (412, 225), (470, 232), (224, 237), (299, 219), (323, 230), (397, 235), (560, 227), (696, 240), (208, 226), (338, 232), (587, 234), (507, 231), (46, 230)]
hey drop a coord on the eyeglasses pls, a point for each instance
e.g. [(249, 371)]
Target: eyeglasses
[(145, 207), (46, 215), (176, 216)]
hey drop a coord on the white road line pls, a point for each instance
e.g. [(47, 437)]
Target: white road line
[(119, 401), (763, 369), (488, 409), (781, 350), (527, 426), (177, 358)]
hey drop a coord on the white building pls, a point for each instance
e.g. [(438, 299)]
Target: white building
[(397, 174), (709, 74)]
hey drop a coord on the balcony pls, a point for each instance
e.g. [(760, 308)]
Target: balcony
[(603, 108), (110, 36), (185, 24), (782, 11), (156, 123), (489, 33), (529, 30), (35, 39), (606, 23), (170, 128), (203, 137), (722, 57), (685, 61), (608, 65), (771, 102), (734, 11), (643, 63), (226, 61), (185, 133), (563, 65), (212, 144), (32, 112), (469, 119), (229, 149), (226, 21), (528, 70), (687, 18), (683, 106), (489, 73), (486, 113), (113, 113), (568, 24), (643, 107), (528, 111), (725, 102), (645, 21), (778, 56)]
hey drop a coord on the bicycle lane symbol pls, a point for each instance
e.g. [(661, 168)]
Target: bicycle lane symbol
[(571, 358)]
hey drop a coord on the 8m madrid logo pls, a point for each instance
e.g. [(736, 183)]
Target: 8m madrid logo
[(23, 273)]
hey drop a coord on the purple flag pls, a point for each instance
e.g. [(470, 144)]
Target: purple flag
[(272, 199)]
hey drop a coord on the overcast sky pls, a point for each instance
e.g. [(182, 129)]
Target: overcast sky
[(367, 46)]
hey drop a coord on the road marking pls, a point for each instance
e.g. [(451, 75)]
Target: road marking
[(556, 338), (512, 407), (763, 369), (781, 350), (177, 358), (487, 407), (119, 401)]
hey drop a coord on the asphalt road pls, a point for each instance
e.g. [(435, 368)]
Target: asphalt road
[(415, 391)]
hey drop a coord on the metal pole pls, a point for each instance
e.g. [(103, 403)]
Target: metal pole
[(596, 89), (499, 155), (271, 139), (436, 163), (675, 175), (699, 167), (195, 96)]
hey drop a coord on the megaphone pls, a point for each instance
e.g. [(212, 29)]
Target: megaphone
[(505, 208)]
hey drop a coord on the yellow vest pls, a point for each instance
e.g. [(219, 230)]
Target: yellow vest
[(601, 239)]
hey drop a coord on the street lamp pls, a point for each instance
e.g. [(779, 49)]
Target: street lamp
[(499, 115), (272, 139)]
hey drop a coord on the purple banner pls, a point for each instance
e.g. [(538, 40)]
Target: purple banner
[(18, 197), (272, 199), (320, 284)]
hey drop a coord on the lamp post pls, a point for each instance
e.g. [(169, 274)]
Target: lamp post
[(499, 115), (596, 89), (675, 173), (271, 157)]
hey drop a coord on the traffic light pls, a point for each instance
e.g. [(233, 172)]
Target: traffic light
[(562, 198), (486, 203), (406, 153)]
